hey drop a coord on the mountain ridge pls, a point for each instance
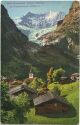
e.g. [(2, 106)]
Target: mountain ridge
[(41, 20), (68, 29)]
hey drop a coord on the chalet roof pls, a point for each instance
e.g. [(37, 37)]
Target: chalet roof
[(47, 97), (20, 88), (75, 74), (64, 77)]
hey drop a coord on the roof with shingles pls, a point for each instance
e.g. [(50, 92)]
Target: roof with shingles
[(20, 88), (47, 97)]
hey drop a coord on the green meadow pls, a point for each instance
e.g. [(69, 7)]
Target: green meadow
[(71, 91)]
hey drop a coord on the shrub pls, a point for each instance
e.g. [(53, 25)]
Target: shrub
[(55, 75), (8, 117), (22, 105)]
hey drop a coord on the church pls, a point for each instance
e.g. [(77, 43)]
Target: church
[(31, 75)]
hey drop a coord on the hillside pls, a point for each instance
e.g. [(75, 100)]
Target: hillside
[(15, 48), (72, 95), (51, 55), (68, 30)]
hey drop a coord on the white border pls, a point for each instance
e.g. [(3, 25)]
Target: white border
[(0, 57)]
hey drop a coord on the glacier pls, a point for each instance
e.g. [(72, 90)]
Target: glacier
[(35, 25)]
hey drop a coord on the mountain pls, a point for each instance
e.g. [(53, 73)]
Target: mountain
[(15, 48), (32, 24), (67, 32), (40, 20)]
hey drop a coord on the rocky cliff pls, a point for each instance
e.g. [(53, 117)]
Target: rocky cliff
[(68, 29)]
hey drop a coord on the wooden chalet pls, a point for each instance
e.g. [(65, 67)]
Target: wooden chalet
[(68, 79), (65, 79), (23, 88), (75, 77), (50, 104)]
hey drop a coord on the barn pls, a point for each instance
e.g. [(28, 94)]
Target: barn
[(50, 104)]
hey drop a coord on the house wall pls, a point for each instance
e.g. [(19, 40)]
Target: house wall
[(30, 75), (50, 108)]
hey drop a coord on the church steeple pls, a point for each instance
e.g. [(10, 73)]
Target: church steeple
[(30, 69), (31, 74)]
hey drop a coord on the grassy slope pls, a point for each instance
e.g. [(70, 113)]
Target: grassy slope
[(71, 90)]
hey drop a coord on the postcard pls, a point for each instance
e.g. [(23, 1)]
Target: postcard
[(40, 62)]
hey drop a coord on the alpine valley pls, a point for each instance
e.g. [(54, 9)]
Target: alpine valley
[(41, 41)]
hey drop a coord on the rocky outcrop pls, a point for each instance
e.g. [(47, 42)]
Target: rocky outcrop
[(68, 29), (70, 22)]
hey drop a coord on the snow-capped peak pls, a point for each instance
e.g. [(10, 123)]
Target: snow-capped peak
[(44, 20), (17, 20)]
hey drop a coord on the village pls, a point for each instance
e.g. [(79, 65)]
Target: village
[(45, 101)]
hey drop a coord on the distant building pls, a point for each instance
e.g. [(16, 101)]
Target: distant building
[(29, 79), (68, 79), (50, 104), (31, 75), (75, 77), (65, 79), (3, 78)]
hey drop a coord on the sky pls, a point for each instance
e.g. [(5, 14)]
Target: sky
[(19, 8)]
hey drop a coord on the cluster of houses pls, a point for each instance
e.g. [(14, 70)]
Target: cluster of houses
[(45, 103), (64, 79), (71, 78)]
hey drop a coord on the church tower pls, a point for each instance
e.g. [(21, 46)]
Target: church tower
[(31, 74)]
